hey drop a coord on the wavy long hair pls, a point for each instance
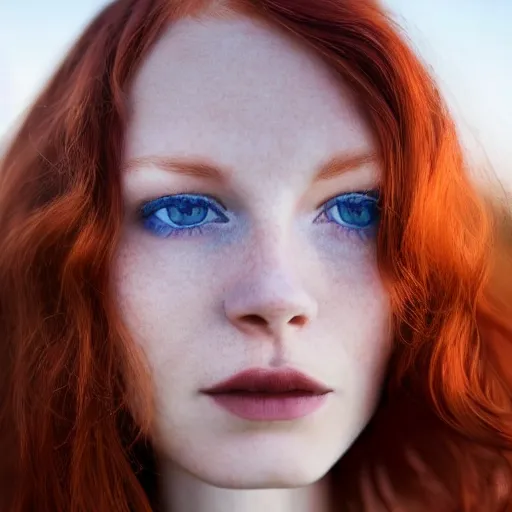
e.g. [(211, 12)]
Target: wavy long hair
[(442, 433)]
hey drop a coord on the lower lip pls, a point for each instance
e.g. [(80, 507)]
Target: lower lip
[(270, 407)]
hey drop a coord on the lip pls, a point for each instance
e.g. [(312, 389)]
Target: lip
[(259, 394)]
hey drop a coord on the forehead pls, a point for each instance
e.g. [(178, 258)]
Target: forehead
[(238, 89)]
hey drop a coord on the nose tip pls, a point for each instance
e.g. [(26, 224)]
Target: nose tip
[(270, 310)]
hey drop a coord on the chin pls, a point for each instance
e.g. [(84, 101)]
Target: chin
[(256, 457), (252, 478), (260, 472)]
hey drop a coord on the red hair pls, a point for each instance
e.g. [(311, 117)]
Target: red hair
[(441, 435)]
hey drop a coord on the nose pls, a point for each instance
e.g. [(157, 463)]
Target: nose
[(269, 302)]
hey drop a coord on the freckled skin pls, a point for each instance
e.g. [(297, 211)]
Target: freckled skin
[(247, 98)]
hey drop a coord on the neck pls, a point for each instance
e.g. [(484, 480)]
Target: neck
[(185, 493)]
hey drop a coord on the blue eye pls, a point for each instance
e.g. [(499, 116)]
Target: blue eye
[(181, 214), (188, 214), (356, 211)]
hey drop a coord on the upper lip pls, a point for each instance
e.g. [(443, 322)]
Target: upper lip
[(259, 380)]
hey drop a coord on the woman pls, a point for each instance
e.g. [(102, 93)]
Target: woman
[(242, 267)]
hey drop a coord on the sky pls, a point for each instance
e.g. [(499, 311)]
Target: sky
[(467, 43)]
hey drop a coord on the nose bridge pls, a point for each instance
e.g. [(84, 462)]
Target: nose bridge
[(270, 295)]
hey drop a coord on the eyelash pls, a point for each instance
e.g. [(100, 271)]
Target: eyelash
[(159, 226)]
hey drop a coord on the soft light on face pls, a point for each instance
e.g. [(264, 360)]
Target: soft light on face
[(250, 243)]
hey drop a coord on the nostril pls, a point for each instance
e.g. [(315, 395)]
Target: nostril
[(298, 321), (259, 321), (255, 320)]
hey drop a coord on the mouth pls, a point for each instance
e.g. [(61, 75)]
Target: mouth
[(269, 395)]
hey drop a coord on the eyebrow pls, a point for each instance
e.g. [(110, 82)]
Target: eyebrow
[(343, 163), (198, 168)]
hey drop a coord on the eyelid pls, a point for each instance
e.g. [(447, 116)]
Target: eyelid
[(149, 207), (370, 194)]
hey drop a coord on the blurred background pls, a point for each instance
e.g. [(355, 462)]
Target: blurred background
[(467, 43)]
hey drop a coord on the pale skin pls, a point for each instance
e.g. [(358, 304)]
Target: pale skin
[(274, 285)]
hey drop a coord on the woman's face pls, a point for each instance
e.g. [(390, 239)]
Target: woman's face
[(249, 244)]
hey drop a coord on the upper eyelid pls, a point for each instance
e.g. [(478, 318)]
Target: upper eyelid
[(368, 194), (373, 194), (149, 207)]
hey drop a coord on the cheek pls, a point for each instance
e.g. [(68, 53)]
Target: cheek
[(158, 302), (356, 306), (164, 299), (367, 319)]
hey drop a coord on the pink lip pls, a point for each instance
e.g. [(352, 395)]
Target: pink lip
[(269, 395)]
